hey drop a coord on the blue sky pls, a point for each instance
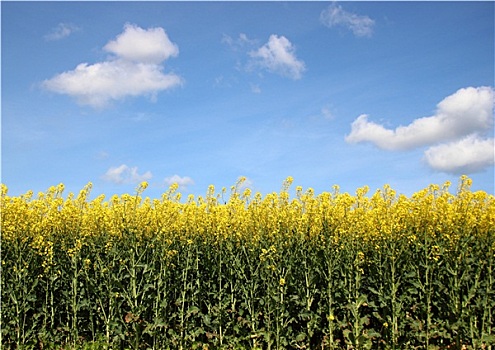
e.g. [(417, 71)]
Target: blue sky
[(200, 93)]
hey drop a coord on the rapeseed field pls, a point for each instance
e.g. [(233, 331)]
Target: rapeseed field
[(237, 270)]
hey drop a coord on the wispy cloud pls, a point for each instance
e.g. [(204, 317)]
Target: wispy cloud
[(239, 43), (255, 88), (124, 174), (102, 155), (327, 113), (278, 56), (335, 15), (456, 131), (135, 70), (182, 181), (61, 31)]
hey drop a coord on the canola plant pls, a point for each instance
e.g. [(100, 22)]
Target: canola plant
[(330, 271)]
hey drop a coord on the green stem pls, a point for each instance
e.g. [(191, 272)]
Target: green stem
[(395, 308), (74, 300), (220, 295), (487, 321)]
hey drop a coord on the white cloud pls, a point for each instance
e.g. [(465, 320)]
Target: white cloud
[(468, 155), (455, 132), (467, 111), (143, 46), (183, 182), (124, 174), (98, 84), (278, 56), (61, 31), (136, 70), (240, 43), (335, 15)]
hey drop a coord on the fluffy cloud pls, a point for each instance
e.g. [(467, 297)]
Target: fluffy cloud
[(335, 15), (465, 112), (468, 155), (98, 84), (455, 130), (135, 70), (183, 182), (61, 31), (278, 56), (143, 46), (124, 174)]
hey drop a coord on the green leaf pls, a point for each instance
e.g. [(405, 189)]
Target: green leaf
[(300, 337), (193, 310)]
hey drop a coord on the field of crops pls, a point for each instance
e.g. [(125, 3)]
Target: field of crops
[(237, 270)]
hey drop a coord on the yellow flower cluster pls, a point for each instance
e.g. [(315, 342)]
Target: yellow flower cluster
[(360, 263), (432, 211)]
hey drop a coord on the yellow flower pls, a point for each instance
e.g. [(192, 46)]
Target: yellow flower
[(87, 264)]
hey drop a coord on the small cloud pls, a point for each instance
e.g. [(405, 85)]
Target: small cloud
[(140, 117), (222, 82), (239, 43), (335, 15), (227, 39), (63, 30), (124, 174), (327, 113), (183, 182), (469, 155), (278, 56), (140, 45), (243, 38), (102, 155), (136, 70), (255, 88)]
